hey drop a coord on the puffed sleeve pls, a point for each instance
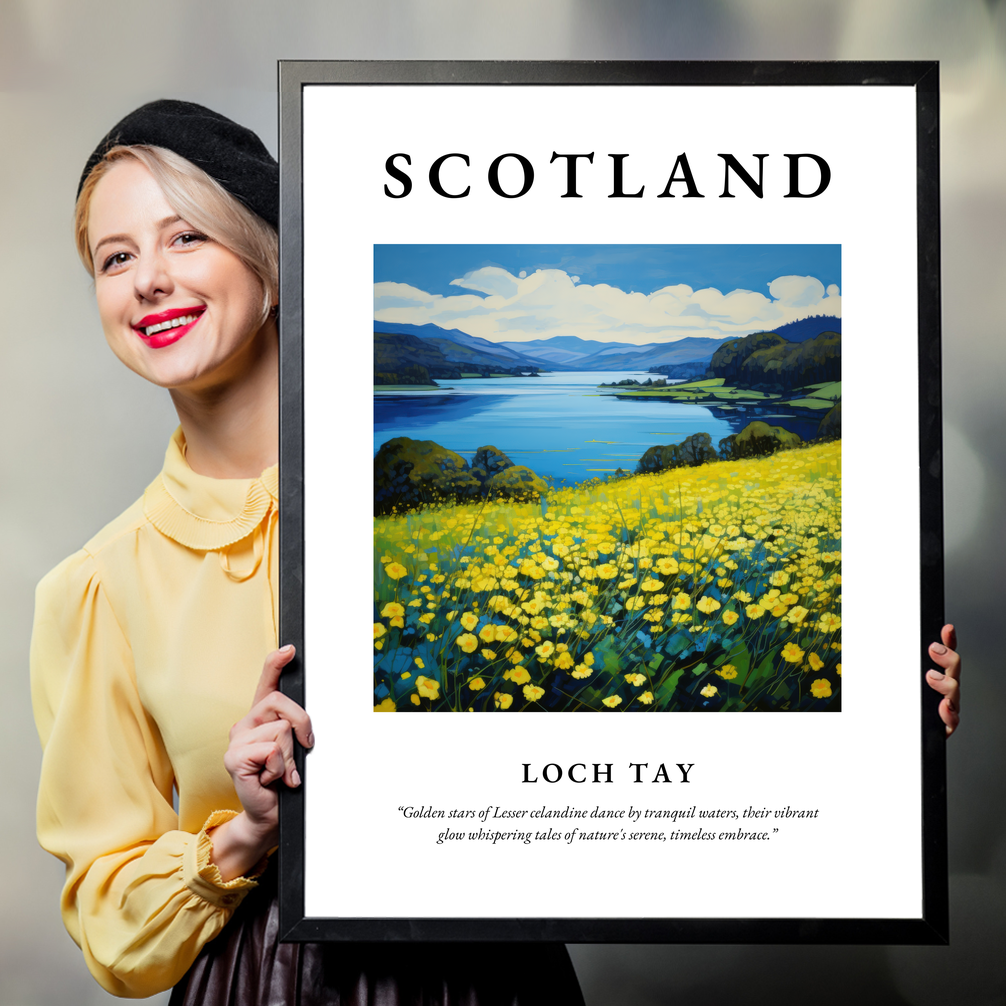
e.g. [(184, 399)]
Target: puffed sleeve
[(141, 898)]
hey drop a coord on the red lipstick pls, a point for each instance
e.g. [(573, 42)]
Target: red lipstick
[(166, 327)]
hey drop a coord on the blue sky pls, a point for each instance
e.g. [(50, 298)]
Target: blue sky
[(637, 294), (632, 268)]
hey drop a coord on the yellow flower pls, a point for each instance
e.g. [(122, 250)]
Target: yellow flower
[(709, 691), (515, 656), (387, 706), (635, 603), (415, 699), (667, 566), (646, 698), (743, 596), (539, 622), (839, 669), (636, 679), (612, 700), (428, 687), (789, 598), (629, 581), (829, 622), (545, 650), (532, 693), (754, 611), (467, 642), (549, 564), (651, 585), (379, 630), (582, 671), (821, 688), (379, 644), (588, 659), (476, 684), (391, 609), (489, 654), (505, 634), (727, 672), (792, 653), (729, 617), (658, 599), (395, 570), (519, 675), (681, 601), (430, 637), (816, 663), (778, 578), (418, 661), (564, 661), (707, 605), (397, 623), (417, 603), (488, 633), (502, 701), (606, 571), (427, 618), (469, 621)]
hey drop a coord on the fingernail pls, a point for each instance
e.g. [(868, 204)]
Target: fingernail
[(936, 675), (287, 649), (295, 777), (310, 740), (938, 648)]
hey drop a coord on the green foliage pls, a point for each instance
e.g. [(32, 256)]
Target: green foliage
[(692, 451), (831, 424), (768, 361), (758, 439), (412, 474)]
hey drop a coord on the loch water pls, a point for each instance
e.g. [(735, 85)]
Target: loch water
[(560, 425)]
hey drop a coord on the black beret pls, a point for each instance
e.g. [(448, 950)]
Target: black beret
[(230, 154)]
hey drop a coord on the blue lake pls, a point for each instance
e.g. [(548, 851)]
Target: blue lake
[(557, 424)]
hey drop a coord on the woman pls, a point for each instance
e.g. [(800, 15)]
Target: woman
[(149, 642)]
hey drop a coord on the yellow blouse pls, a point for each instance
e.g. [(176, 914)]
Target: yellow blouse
[(147, 647)]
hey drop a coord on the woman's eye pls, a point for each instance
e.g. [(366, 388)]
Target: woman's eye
[(114, 261), (190, 238)]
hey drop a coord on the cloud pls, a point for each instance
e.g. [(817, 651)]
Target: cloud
[(550, 302)]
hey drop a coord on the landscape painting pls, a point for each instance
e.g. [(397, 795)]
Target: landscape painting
[(607, 478)]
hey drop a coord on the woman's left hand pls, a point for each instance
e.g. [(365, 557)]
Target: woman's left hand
[(948, 681)]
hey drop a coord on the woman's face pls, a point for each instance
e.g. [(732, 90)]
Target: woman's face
[(177, 308)]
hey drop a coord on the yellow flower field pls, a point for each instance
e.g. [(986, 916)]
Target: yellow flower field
[(708, 588)]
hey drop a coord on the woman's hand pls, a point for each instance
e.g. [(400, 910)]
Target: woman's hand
[(948, 681), (260, 753)]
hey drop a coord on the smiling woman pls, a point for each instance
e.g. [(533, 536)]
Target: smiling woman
[(154, 665)]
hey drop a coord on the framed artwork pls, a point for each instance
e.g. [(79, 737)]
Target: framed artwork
[(565, 354)]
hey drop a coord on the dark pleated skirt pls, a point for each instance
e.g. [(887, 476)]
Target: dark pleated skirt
[(246, 965)]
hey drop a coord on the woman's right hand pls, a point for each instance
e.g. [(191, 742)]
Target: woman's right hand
[(259, 754)]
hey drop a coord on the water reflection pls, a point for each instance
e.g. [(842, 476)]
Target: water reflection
[(558, 424)]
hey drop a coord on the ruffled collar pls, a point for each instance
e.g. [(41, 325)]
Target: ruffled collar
[(203, 513)]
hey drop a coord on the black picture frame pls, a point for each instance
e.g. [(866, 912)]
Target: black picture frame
[(931, 927)]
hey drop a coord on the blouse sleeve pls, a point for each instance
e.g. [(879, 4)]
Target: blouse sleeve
[(141, 898)]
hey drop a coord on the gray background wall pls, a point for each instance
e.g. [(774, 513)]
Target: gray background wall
[(82, 436)]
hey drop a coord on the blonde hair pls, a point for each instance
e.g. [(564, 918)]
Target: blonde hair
[(199, 200)]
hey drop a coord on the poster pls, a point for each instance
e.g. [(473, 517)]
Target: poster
[(701, 502)]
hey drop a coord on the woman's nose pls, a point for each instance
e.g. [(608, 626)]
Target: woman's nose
[(152, 277)]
